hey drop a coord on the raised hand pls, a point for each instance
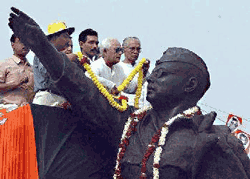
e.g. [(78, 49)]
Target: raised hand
[(205, 139), (25, 28), (146, 67), (114, 91)]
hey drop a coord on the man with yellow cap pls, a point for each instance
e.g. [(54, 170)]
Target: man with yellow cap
[(46, 92)]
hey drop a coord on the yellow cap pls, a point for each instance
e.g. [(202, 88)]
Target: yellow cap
[(58, 27)]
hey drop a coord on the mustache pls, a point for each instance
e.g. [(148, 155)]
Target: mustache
[(95, 50)]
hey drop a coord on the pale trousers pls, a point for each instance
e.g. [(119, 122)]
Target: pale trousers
[(48, 99)]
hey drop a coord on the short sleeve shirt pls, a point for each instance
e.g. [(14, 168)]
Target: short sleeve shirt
[(10, 70)]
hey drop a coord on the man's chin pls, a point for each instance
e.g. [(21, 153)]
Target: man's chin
[(91, 54)]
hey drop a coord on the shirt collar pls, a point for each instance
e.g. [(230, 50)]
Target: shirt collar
[(129, 64), (18, 60)]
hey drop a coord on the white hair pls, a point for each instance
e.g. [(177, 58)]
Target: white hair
[(106, 43), (127, 40)]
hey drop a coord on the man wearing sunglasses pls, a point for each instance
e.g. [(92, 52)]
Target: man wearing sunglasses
[(109, 73)]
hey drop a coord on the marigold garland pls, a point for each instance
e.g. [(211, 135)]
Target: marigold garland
[(137, 69), (139, 88), (159, 137), (102, 89)]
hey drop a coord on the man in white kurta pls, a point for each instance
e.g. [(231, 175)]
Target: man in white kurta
[(132, 49), (109, 73)]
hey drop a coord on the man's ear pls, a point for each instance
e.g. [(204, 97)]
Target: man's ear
[(191, 84), (81, 43)]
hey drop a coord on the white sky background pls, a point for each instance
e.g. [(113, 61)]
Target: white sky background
[(217, 30)]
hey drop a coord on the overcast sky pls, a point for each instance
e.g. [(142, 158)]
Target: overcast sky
[(217, 30)]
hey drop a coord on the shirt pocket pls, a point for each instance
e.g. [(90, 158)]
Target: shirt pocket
[(3, 75)]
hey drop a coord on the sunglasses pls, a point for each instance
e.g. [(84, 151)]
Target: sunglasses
[(119, 49)]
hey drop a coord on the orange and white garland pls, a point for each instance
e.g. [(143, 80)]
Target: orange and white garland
[(160, 136), (103, 90)]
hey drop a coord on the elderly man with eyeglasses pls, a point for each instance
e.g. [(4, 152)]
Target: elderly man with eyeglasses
[(132, 50), (107, 69)]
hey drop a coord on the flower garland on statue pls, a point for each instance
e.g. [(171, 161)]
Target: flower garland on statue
[(159, 137), (110, 97)]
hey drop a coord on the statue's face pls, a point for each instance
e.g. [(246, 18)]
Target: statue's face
[(166, 82)]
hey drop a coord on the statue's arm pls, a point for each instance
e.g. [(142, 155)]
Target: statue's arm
[(71, 81)]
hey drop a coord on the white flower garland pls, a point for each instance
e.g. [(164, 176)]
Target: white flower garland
[(162, 139), (125, 130)]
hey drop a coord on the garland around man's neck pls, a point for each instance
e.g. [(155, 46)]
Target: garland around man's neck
[(103, 90)]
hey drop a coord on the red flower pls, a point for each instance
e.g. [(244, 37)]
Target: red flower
[(121, 155), (134, 123), (126, 141), (134, 129), (148, 153), (151, 149), (156, 165), (141, 115), (155, 138), (66, 105), (144, 160), (123, 97), (199, 112), (143, 169), (118, 172), (128, 134), (132, 115), (84, 60), (121, 145), (123, 150)]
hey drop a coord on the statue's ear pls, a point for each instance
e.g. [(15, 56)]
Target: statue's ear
[(191, 84)]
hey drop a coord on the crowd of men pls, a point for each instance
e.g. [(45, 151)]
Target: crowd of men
[(34, 84), (170, 140)]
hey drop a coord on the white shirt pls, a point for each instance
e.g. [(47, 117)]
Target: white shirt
[(128, 68), (110, 77)]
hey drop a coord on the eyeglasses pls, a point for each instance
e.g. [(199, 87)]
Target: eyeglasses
[(118, 49), (135, 48)]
